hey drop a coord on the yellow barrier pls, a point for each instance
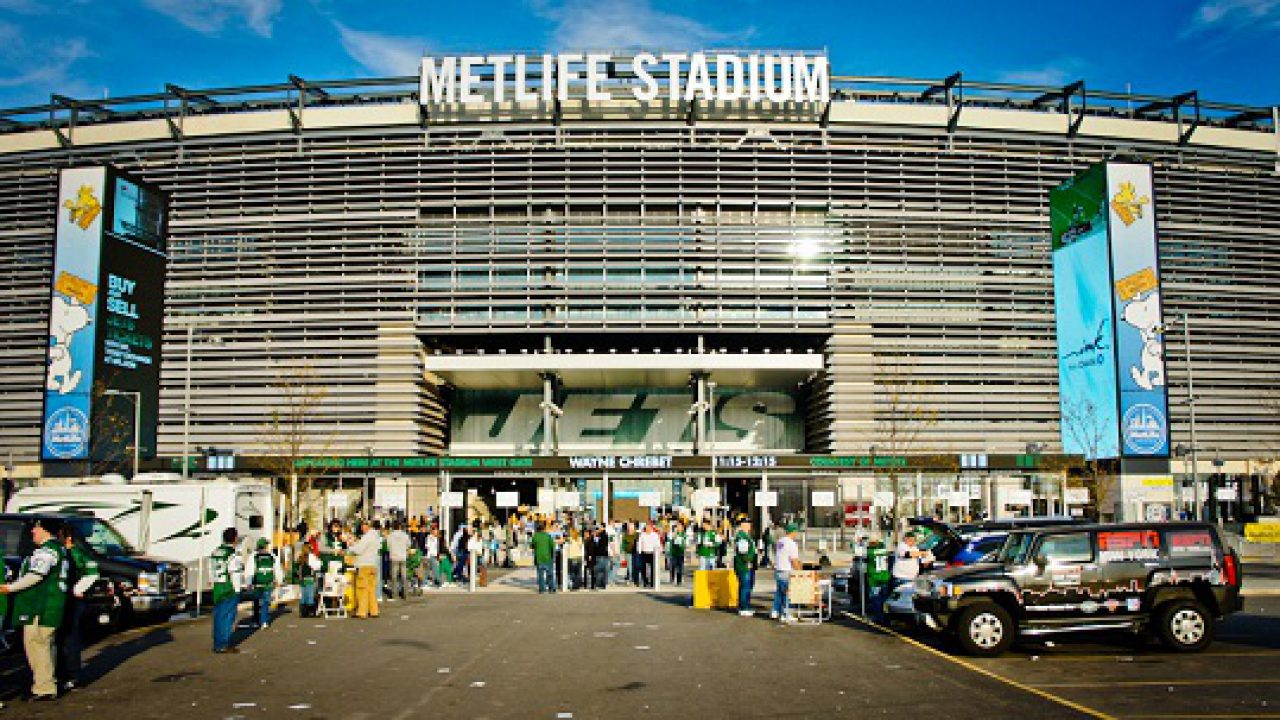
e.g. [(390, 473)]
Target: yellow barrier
[(1262, 532), (715, 589)]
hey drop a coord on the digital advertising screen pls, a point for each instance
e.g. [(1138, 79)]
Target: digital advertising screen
[(1084, 317), (137, 213)]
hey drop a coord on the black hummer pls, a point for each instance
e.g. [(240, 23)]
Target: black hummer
[(133, 585), (1173, 579)]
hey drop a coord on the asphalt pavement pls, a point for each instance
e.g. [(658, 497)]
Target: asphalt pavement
[(623, 654)]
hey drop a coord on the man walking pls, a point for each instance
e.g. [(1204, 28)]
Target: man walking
[(433, 557), (84, 573), (707, 543), (786, 557), (649, 547), (40, 595), (368, 552), (599, 549), (227, 569), (263, 575), (544, 558), (744, 566), (675, 554), (398, 544)]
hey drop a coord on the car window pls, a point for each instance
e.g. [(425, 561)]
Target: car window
[(11, 538), (1128, 545), (102, 537), (987, 544), (1015, 548), (1070, 548), (1191, 543)]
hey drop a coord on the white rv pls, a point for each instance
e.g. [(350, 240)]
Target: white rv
[(163, 519)]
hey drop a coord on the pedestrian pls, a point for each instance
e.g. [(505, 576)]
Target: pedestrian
[(83, 572), (574, 552), (675, 554), (333, 545), (648, 549), (706, 548), (384, 561), (433, 556), (368, 557), (786, 558), (744, 566), (40, 594), (262, 576), (446, 569), (600, 555), (305, 568), (544, 555), (906, 563), (413, 568), (227, 571), (398, 544)]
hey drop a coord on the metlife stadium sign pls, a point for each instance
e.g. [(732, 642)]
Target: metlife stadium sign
[(1110, 321), (646, 77)]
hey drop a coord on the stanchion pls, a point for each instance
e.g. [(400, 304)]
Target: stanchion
[(564, 570), (471, 570), (657, 570)]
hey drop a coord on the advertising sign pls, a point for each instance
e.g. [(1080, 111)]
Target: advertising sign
[(73, 315), (823, 498), (1110, 322), (507, 499), (1075, 495), (1084, 316), (766, 498), (1144, 424), (106, 317)]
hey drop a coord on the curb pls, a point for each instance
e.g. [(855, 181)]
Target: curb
[(1261, 592)]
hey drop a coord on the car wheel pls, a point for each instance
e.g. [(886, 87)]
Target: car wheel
[(1185, 626), (985, 629)]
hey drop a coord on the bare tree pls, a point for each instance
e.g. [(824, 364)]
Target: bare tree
[(287, 434), (111, 433), (902, 414), (1084, 425)]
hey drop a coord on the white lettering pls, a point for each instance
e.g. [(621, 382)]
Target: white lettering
[(640, 65), (438, 84), (815, 85), (522, 82), (673, 61), (548, 77), (777, 79), (699, 79), (469, 79), (499, 63), (730, 86), (595, 76), (565, 73)]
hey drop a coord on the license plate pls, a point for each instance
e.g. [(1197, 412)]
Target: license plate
[(104, 619), (181, 606)]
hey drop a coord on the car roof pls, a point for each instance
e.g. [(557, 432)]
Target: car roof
[(1120, 527)]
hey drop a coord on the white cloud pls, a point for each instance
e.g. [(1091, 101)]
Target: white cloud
[(34, 70), (628, 24), (1255, 13), (383, 54), (210, 16), (1056, 73)]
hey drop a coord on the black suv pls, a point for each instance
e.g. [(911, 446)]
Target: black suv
[(1173, 579), (132, 584)]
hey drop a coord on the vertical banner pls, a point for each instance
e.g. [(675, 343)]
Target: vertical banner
[(1144, 425), (1085, 316), (106, 317), (73, 315)]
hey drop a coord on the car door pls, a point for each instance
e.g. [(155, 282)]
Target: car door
[(1062, 577), (1127, 559)]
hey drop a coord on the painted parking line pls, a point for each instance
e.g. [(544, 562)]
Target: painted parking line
[(1056, 699), (1225, 716), (1162, 683)]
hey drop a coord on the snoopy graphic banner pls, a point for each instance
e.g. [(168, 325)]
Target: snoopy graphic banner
[(1110, 327), (1135, 272), (73, 314), (106, 316)]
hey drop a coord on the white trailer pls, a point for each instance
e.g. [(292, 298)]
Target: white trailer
[(164, 519)]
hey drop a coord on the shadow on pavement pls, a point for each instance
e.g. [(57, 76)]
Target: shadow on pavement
[(110, 656)]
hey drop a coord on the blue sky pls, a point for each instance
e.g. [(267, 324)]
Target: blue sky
[(1229, 50)]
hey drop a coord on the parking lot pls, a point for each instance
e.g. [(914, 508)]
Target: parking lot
[(628, 654)]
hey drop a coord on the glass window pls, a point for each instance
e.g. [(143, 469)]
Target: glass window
[(1015, 549), (1072, 548), (102, 537), (11, 538)]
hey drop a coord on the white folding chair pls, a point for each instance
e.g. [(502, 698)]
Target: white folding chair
[(332, 598)]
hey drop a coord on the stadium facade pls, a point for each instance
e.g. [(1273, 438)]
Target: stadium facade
[(659, 276)]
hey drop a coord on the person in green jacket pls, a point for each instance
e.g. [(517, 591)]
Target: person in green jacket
[(675, 553), (707, 544), (40, 594), (227, 568), (263, 577), (83, 571), (544, 558), (744, 566)]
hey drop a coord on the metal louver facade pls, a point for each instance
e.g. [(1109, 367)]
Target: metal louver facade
[(351, 232)]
